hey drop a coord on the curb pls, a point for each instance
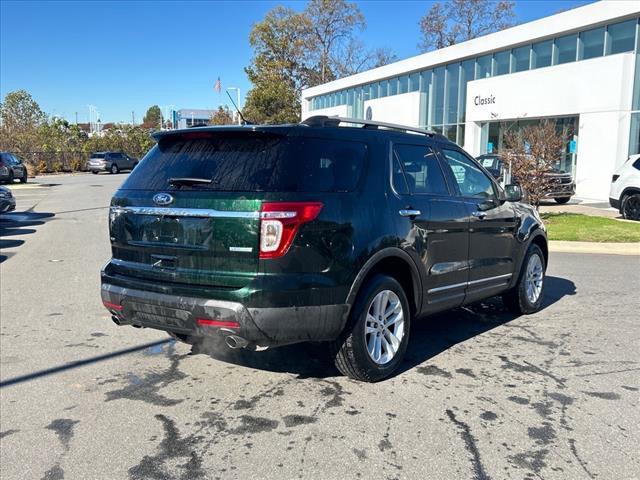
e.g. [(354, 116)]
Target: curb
[(607, 248)]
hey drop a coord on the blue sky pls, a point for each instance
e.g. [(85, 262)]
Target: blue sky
[(124, 56)]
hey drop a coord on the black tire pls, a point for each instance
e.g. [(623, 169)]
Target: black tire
[(95, 172), (24, 177), (516, 300), (134, 166), (114, 169), (351, 356), (562, 200), (10, 179), (630, 207)]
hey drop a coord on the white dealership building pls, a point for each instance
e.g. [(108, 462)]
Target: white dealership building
[(579, 68)]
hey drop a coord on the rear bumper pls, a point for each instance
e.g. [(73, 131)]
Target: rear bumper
[(262, 326), (615, 203), (97, 168)]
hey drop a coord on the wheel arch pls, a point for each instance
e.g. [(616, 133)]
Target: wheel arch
[(396, 263)]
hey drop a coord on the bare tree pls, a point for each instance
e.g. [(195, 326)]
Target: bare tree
[(456, 21), (355, 58), (332, 23), (533, 152)]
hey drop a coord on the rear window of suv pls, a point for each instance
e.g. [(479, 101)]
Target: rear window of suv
[(97, 155), (251, 161)]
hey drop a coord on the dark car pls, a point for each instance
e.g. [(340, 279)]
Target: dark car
[(7, 200), (563, 186), (112, 162), (12, 168), (334, 230)]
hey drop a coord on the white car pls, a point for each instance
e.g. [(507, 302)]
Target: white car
[(625, 189)]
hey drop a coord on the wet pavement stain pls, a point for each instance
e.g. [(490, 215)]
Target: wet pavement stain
[(479, 472), (490, 416), (519, 400), (542, 435), (466, 371), (252, 424), (63, 428), (433, 371), (147, 388), (361, 454), (336, 393), (581, 462), (604, 395), (528, 367), (533, 461), (297, 420), (172, 448), (54, 473)]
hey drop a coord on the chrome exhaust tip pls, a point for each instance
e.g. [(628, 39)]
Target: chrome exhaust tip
[(234, 341), (119, 321)]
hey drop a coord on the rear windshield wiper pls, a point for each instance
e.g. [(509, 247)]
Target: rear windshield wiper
[(189, 181)]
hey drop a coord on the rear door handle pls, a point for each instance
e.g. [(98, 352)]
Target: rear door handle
[(479, 215), (409, 213)]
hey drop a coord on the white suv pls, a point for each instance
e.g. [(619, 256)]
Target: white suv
[(625, 189)]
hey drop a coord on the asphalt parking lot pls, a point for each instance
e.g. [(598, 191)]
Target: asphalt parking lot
[(481, 395)]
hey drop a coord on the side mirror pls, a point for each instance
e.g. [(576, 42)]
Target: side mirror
[(513, 193)]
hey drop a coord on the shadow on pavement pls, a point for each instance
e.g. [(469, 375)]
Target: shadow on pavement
[(16, 223), (430, 336)]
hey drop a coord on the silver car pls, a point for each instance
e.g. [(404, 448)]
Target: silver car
[(112, 162)]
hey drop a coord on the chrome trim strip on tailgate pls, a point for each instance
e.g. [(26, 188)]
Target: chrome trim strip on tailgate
[(185, 212)]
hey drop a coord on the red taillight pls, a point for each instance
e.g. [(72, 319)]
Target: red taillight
[(279, 222), (112, 306), (208, 322)]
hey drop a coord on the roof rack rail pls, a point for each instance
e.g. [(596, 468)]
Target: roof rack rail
[(335, 121)]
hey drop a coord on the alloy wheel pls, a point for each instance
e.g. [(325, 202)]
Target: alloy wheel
[(384, 327), (631, 209), (534, 278)]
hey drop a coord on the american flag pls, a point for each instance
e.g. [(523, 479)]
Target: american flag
[(217, 86)]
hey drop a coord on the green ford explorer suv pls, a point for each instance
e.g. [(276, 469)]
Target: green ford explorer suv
[(335, 230)]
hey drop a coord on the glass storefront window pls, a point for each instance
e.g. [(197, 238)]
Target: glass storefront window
[(566, 49), (460, 140), (393, 86), (622, 37), (403, 84), (425, 86), (483, 67), (467, 75), (591, 44), (453, 76), (438, 95), (373, 91), (450, 131), (634, 134), (384, 88), (501, 63), (414, 82), (350, 97), (541, 54), (521, 58)]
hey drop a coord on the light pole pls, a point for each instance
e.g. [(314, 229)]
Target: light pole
[(237, 89)]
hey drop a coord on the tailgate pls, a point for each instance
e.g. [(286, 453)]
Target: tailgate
[(201, 238)]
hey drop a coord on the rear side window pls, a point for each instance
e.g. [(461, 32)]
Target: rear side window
[(422, 172), (252, 161)]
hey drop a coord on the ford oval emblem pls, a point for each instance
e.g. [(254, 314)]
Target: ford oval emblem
[(163, 199)]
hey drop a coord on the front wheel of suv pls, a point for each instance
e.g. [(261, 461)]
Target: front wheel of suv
[(375, 339), (526, 297), (562, 200)]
